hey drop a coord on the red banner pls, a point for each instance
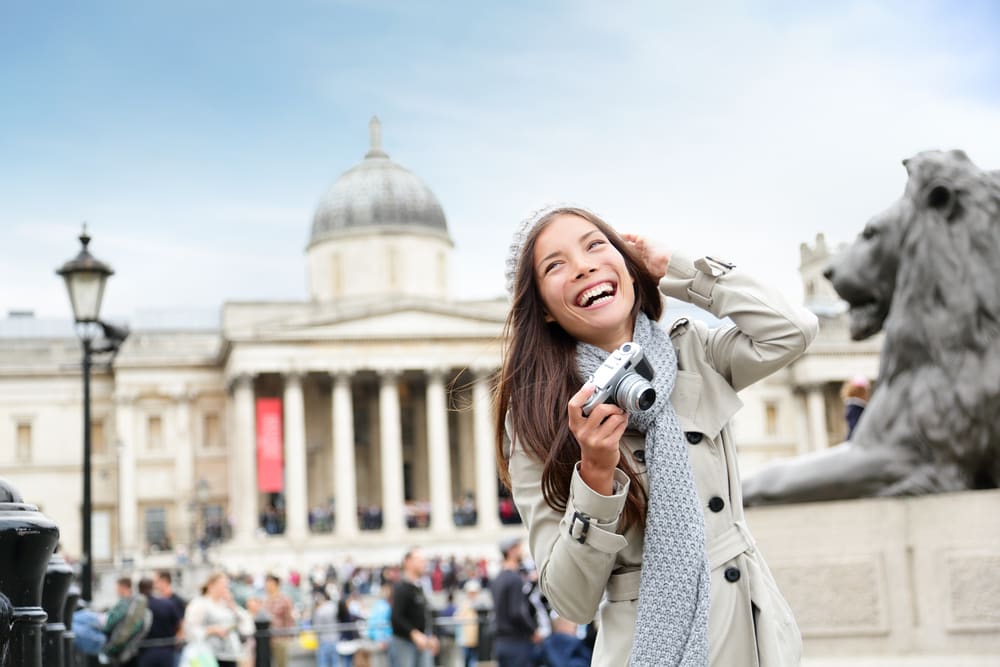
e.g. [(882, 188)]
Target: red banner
[(270, 463)]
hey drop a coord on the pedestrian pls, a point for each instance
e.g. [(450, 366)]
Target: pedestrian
[(641, 508), (515, 617), (160, 643), (413, 641), (349, 638), (325, 625), (379, 630), (281, 611), (467, 615), (163, 587), (563, 648), (126, 625), (216, 624), (855, 393)]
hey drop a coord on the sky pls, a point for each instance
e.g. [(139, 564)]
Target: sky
[(196, 137)]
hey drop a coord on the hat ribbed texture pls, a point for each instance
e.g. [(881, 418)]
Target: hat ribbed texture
[(524, 229)]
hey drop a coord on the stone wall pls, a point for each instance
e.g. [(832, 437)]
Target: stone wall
[(889, 576)]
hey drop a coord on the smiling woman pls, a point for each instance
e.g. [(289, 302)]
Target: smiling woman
[(636, 519)]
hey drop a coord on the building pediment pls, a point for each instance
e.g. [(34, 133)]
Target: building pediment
[(367, 321)]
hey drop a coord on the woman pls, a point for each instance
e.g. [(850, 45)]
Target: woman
[(347, 620), (216, 621), (642, 511)]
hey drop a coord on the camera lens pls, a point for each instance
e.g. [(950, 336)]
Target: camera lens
[(634, 393), (647, 398)]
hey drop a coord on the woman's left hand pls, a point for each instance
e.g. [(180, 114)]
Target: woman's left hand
[(655, 257)]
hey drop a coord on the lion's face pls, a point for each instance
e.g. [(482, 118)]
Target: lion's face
[(864, 275)]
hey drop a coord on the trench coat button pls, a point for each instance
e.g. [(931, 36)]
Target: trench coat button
[(716, 504), (639, 455), (693, 437), (732, 574)]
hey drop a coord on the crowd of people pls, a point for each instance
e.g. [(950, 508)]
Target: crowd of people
[(418, 613)]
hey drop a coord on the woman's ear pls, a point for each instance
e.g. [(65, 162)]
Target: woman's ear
[(548, 318)]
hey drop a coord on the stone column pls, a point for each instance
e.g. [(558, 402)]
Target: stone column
[(393, 520), (296, 505), (345, 483), (438, 453), (816, 407), (184, 471), (128, 510), (802, 432), (487, 510), (243, 454)]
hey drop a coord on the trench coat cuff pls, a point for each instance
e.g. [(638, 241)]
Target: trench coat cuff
[(693, 281), (592, 518)]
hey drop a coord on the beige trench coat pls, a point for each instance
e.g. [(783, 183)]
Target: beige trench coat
[(587, 569)]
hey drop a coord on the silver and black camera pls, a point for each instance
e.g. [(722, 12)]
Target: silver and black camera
[(623, 379)]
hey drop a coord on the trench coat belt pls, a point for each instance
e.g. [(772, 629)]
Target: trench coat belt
[(729, 544), (735, 540)]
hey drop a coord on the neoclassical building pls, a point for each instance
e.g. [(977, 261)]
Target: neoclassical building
[(354, 424)]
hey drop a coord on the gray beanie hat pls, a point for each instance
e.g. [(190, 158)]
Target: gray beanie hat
[(522, 233)]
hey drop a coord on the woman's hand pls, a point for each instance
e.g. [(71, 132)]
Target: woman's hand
[(655, 257), (598, 435)]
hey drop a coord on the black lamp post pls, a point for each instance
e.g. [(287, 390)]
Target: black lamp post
[(85, 278)]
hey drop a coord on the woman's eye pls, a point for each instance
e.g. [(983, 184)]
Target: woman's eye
[(551, 266), (593, 244)]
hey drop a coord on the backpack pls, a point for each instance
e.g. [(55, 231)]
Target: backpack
[(88, 635), (128, 623)]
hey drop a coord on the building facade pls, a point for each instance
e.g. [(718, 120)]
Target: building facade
[(353, 424)]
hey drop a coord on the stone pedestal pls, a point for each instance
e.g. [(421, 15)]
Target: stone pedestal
[(915, 577)]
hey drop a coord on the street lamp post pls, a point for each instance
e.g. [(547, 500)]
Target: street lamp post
[(85, 278)]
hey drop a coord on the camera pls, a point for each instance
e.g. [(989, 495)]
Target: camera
[(623, 379)]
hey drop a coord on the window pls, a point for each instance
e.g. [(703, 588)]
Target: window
[(24, 442), (98, 442), (154, 432), (212, 434), (771, 418), (157, 538)]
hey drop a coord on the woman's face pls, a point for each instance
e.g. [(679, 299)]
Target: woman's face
[(583, 282), (218, 587)]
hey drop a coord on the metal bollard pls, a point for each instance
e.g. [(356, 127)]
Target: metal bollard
[(58, 577), (69, 650), (27, 540), (262, 641), (485, 650)]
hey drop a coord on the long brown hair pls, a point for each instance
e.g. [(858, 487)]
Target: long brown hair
[(539, 375)]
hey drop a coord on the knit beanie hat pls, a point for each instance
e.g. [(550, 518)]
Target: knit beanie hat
[(522, 233)]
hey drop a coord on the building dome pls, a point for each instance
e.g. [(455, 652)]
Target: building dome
[(377, 195)]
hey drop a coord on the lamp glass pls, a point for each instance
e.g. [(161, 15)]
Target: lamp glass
[(86, 289)]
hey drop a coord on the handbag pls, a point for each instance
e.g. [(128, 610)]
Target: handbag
[(198, 654)]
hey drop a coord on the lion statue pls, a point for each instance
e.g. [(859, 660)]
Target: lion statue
[(927, 271)]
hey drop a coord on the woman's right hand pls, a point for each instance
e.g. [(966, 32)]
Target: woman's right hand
[(599, 435)]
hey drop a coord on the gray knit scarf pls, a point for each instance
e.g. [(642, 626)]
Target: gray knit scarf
[(672, 619)]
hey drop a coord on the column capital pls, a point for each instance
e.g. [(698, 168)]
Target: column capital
[(389, 375), (436, 372), (294, 375), (239, 381), (337, 373)]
